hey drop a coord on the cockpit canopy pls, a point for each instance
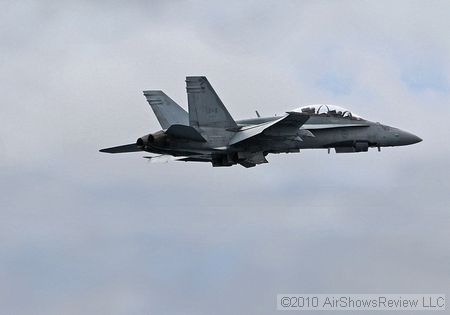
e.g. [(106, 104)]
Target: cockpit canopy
[(328, 110)]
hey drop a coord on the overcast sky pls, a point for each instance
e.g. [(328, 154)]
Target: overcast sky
[(88, 233)]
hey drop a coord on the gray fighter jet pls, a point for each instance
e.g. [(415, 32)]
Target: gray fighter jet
[(208, 133)]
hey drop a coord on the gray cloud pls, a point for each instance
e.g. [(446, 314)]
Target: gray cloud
[(82, 232)]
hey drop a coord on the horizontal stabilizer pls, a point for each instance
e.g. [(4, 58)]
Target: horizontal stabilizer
[(123, 149), (185, 132)]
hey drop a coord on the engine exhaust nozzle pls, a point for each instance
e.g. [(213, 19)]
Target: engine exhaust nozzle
[(157, 138)]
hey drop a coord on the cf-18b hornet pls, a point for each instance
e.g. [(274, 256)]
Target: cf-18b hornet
[(208, 133)]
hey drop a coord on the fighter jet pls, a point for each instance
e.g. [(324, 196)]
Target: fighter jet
[(208, 133)]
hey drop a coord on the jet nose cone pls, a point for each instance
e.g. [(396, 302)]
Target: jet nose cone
[(407, 138), (417, 139)]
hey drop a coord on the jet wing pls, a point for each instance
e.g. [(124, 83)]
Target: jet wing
[(132, 147), (288, 124)]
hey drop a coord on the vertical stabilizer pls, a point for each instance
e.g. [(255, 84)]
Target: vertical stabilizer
[(166, 110), (205, 107)]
